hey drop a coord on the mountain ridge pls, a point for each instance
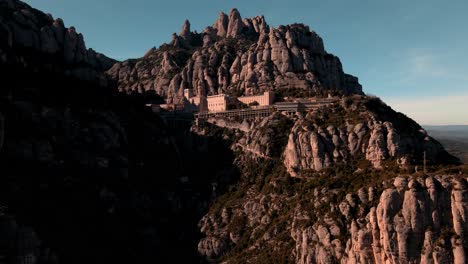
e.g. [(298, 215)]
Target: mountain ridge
[(236, 56), (91, 175)]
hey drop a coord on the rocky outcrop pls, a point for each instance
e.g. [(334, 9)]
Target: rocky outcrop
[(238, 56), (221, 25), (235, 24), (415, 221), (264, 137), (90, 175), (23, 28), (350, 213), (185, 33), (396, 219), (380, 140), (249, 223)]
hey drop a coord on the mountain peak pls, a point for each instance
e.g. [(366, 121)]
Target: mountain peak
[(185, 33), (240, 56), (221, 25), (368, 183), (235, 23)]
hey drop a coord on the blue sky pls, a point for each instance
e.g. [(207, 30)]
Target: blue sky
[(413, 54)]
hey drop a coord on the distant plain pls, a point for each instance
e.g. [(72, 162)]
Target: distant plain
[(454, 139)]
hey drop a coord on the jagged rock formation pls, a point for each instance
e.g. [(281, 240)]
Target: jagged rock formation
[(338, 208), (90, 175), (237, 56), (235, 24), (344, 214), (26, 31), (355, 129), (366, 129), (422, 221), (418, 220), (221, 25)]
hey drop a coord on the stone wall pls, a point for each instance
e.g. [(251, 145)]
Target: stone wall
[(217, 103), (263, 100)]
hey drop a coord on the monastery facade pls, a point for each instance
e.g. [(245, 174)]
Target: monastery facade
[(221, 102), (265, 99)]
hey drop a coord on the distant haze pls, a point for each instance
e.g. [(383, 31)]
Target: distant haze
[(435, 110), (410, 53), (454, 139)]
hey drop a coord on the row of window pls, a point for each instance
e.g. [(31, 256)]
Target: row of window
[(219, 104)]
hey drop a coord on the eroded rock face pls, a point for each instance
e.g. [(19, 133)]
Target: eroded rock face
[(185, 33), (235, 24), (369, 137), (224, 232), (24, 27), (322, 218), (420, 223), (59, 122), (235, 55), (221, 25), (400, 220), (94, 163), (317, 147)]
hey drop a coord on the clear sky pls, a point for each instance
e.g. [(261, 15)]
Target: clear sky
[(411, 53)]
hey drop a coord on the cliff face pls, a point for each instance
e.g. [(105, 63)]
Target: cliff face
[(32, 39), (359, 128), (326, 187), (419, 220), (346, 212), (90, 175), (237, 56)]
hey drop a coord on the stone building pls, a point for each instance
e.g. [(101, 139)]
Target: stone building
[(265, 99), (217, 103), (213, 103), (195, 103), (222, 102)]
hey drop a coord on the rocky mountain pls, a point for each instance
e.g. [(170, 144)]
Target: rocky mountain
[(332, 189), (34, 40), (237, 56), (363, 128), (91, 175)]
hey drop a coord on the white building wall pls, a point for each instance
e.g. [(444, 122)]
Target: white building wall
[(263, 100), (217, 103)]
